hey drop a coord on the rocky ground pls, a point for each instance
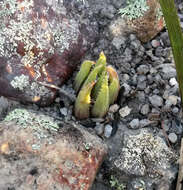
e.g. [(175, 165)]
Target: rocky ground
[(144, 128)]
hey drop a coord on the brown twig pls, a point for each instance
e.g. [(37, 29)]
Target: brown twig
[(71, 97), (165, 134), (180, 174)]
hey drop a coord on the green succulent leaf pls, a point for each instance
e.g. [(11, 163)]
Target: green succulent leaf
[(101, 61), (101, 104), (93, 75), (98, 84), (83, 100), (82, 74), (114, 84)]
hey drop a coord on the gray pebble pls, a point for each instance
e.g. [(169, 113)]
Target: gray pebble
[(134, 124), (156, 100), (175, 110), (172, 137), (168, 72), (145, 109), (99, 129), (118, 41), (143, 69), (127, 89), (108, 131), (155, 43), (64, 111)]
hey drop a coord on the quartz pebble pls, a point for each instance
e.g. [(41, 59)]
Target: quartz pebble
[(173, 82), (108, 131), (114, 108), (172, 137), (124, 111), (64, 111)]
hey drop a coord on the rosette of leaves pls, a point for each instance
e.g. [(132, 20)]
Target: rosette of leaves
[(97, 86)]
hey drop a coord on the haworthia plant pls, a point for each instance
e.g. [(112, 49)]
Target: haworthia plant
[(100, 85)]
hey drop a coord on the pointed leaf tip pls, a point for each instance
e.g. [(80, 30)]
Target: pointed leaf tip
[(82, 74)]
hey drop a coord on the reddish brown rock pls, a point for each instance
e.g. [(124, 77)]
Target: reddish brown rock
[(47, 157), (39, 42), (145, 27)]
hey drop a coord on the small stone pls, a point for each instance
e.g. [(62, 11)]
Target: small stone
[(173, 82), (64, 111), (173, 99), (166, 125), (156, 100), (134, 124), (155, 43), (145, 109), (125, 77), (176, 127), (168, 72), (143, 69), (108, 131), (145, 122), (165, 39), (114, 108), (172, 137), (175, 110), (124, 111), (127, 89), (99, 129), (118, 41)]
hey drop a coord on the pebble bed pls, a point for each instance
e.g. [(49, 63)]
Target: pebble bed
[(149, 94)]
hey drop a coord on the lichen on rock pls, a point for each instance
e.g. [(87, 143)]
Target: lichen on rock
[(145, 154), (39, 41)]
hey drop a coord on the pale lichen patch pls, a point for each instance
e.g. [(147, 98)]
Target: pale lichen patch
[(41, 125), (33, 89)]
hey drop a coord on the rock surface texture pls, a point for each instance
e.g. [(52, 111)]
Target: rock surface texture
[(38, 154), (145, 27), (39, 42)]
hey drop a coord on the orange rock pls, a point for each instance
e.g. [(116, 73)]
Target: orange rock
[(67, 159)]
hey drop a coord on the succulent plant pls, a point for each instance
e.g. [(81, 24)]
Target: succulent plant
[(98, 86)]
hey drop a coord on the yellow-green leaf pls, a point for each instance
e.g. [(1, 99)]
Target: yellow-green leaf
[(83, 100), (82, 74), (102, 102)]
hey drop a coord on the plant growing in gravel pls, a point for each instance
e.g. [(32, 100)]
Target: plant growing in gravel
[(98, 86)]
